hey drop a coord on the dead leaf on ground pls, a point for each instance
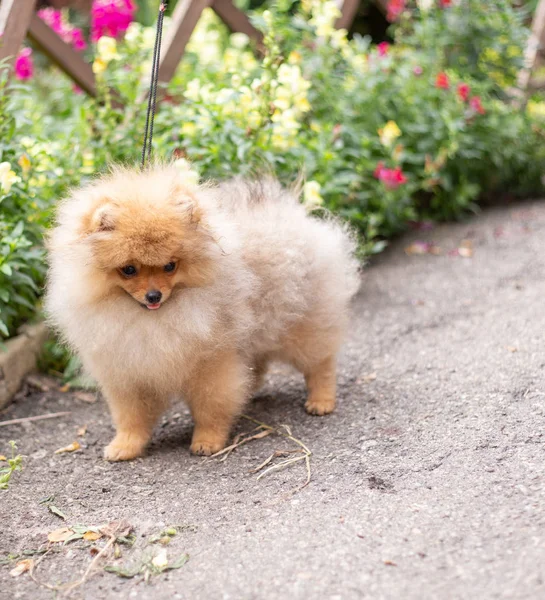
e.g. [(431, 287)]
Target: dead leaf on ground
[(85, 396), (390, 563), (82, 431), (2, 458), (160, 560), (419, 248), (92, 536), (22, 567), (60, 535), (70, 448), (65, 388)]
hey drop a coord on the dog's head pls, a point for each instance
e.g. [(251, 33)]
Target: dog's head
[(148, 235)]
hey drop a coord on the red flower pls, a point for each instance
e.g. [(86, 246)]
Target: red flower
[(24, 66), (391, 178), (395, 8), (463, 91), (445, 3), (383, 48), (476, 105), (441, 81)]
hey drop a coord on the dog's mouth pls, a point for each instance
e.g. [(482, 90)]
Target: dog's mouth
[(155, 306)]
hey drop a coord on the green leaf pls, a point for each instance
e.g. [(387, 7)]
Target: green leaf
[(6, 269), (56, 511)]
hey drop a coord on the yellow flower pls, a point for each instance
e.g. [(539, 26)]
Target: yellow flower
[(107, 49), (189, 129), (7, 177), (302, 104), (389, 133), (99, 66), (536, 109), (311, 194), (24, 163), (295, 58)]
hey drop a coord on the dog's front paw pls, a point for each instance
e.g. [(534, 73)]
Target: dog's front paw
[(123, 449), (320, 406), (205, 447)]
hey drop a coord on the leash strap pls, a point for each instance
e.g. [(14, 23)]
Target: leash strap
[(152, 97)]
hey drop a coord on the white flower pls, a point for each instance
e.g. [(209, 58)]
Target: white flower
[(160, 561), (239, 40), (133, 32), (424, 5), (191, 177), (311, 194), (7, 177)]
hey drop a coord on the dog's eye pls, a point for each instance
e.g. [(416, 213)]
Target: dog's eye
[(170, 267), (128, 271)]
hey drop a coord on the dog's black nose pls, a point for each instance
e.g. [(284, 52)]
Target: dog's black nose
[(153, 296)]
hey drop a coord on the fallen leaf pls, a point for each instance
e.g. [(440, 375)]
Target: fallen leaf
[(390, 563), (369, 377), (91, 536), (419, 247), (22, 567), (117, 551), (121, 572), (118, 529), (56, 511), (160, 560), (85, 396), (82, 431), (165, 540), (178, 563), (3, 458), (65, 388), (60, 535), (70, 448)]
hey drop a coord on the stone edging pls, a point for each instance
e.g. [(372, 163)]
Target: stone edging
[(19, 359)]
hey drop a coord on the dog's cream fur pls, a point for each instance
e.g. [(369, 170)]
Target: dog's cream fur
[(257, 280)]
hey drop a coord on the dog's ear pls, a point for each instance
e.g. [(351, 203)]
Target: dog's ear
[(103, 219), (184, 199)]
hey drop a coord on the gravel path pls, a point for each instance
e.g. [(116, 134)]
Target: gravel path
[(427, 482)]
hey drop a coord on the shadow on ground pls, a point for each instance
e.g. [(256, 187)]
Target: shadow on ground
[(427, 482)]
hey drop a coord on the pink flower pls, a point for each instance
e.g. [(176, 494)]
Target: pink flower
[(78, 41), (383, 48), (24, 66), (69, 34), (111, 17), (476, 105), (395, 8), (463, 91), (442, 81), (418, 70), (391, 178)]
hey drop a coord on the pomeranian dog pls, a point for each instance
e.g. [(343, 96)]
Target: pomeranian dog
[(169, 290)]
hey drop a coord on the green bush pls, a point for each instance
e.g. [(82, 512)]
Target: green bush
[(384, 135)]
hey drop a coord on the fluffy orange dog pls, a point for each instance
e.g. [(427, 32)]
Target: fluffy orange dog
[(170, 290)]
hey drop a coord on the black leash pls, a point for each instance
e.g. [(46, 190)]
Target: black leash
[(152, 98)]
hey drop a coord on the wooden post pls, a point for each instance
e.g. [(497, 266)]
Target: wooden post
[(15, 17), (236, 19), (186, 15), (535, 42), (348, 9), (63, 55)]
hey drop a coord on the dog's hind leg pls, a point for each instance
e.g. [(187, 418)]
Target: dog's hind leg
[(216, 394)]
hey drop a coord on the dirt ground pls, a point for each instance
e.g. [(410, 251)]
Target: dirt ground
[(427, 482)]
